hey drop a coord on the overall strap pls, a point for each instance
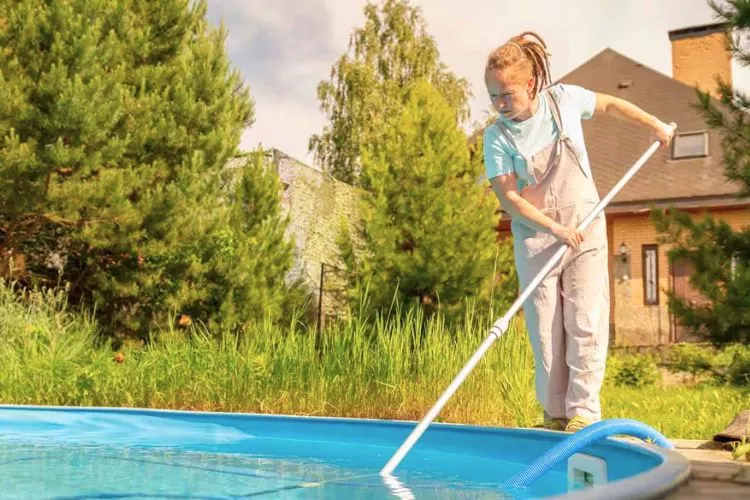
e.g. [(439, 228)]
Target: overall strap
[(563, 139), (508, 136), (556, 114)]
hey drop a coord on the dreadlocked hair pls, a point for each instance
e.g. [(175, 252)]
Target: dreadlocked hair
[(526, 54)]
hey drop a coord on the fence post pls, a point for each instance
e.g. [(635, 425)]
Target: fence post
[(320, 297)]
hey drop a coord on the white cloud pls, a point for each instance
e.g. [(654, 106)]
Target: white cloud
[(284, 48), (282, 123)]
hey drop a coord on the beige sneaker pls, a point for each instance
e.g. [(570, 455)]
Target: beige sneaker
[(577, 423), (553, 424)]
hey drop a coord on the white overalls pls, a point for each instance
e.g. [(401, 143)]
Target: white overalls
[(567, 316)]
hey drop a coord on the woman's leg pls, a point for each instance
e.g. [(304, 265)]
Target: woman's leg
[(544, 321), (585, 296)]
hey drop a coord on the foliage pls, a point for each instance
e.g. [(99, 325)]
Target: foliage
[(368, 83), (690, 358), (427, 228), (117, 119), (635, 371)]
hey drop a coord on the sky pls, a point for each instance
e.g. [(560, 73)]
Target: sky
[(284, 48)]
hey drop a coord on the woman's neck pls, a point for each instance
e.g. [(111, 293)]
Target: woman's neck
[(529, 112)]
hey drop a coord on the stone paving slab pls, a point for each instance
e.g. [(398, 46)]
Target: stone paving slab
[(697, 444), (710, 490), (714, 474)]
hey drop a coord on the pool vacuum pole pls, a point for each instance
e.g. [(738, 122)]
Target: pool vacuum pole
[(501, 325)]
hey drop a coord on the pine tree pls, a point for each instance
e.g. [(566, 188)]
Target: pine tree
[(117, 119), (426, 232), (250, 256), (367, 84), (720, 256)]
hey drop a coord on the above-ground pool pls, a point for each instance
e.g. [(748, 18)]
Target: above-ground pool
[(49, 452)]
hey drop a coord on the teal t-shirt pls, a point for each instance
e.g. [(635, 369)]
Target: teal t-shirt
[(534, 134)]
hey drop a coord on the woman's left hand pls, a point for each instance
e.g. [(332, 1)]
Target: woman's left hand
[(665, 133)]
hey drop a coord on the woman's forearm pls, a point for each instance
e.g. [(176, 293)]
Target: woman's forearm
[(529, 215), (624, 109), (518, 208)]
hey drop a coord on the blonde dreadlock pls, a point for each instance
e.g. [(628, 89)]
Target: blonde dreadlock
[(524, 55)]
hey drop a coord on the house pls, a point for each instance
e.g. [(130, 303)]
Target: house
[(689, 175)]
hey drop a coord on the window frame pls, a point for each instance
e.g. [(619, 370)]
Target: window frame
[(703, 133), (645, 249)]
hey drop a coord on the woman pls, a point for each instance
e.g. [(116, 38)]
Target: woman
[(536, 160)]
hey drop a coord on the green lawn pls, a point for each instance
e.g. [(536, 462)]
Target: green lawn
[(678, 412)]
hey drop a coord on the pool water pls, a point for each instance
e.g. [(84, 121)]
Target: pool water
[(64, 471), (97, 453)]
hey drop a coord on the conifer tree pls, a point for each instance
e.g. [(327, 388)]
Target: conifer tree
[(427, 230), (117, 119), (249, 257)]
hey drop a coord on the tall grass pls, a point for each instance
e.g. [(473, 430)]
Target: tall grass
[(388, 367), (385, 368)]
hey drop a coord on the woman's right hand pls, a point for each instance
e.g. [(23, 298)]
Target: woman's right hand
[(567, 235)]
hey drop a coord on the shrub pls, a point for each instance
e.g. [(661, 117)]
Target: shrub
[(633, 371)]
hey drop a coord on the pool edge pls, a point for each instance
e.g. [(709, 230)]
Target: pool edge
[(655, 483)]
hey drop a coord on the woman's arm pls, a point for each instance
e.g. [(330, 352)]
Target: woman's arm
[(507, 192), (623, 109)]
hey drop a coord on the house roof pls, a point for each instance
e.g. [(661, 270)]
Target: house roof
[(614, 145)]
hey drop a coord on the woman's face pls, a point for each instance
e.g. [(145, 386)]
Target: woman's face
[(510, 94)]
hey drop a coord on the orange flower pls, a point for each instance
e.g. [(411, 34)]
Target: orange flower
[(184, 320)]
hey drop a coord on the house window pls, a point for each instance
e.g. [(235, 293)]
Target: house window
[(650, 275), (690, 145)]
